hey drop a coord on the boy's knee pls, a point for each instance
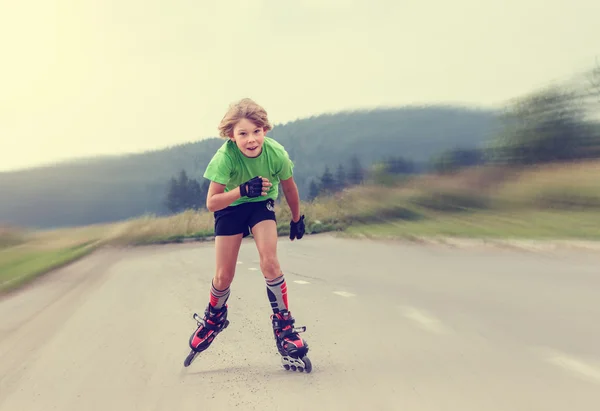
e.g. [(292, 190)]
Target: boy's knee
[(270, 267), (223, 278)]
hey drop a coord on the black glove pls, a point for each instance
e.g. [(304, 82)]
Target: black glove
[(252, 188), (297, 229)]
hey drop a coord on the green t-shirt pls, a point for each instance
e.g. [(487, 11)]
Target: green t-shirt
[(231, 168)]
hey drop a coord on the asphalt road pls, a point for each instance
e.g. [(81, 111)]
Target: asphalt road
[(390, 326)]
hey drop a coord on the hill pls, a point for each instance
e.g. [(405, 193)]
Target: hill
[(106, 189)]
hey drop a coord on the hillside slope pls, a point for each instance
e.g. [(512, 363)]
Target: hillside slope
[(106, 189)]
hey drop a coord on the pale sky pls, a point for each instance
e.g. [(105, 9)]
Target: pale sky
[(83, 78)]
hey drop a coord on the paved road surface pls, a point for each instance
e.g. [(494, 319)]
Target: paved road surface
[(391, 327)]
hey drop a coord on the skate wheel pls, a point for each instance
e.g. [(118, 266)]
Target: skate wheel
[(286, 366), (293, 367), (189, 359), (307, 363)]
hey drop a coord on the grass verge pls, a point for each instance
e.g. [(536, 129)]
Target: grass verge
[(531, 225), (19, 266)]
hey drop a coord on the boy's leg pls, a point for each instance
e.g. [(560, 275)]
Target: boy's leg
[(265, 236), (263, 224), (289, 344), (230, 228), (215, 315), (226, 253)]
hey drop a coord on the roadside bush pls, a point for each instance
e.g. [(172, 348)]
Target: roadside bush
[(565, 198), (10, 236), (450, 200)]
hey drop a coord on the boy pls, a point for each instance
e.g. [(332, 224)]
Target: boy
[(244, 176)]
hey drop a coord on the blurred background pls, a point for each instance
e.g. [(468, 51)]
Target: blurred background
[(468, 132), (466, 119)]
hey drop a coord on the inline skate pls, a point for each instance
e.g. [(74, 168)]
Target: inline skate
[(292, 348), (209, 327)]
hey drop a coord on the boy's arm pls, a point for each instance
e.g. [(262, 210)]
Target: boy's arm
[(290, 190), (217, 199)]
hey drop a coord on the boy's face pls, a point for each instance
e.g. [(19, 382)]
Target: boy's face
[(248, 137)]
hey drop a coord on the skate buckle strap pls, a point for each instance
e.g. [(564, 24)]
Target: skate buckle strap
[(283, 322), (206, 324), (292, 331), (299, 329)]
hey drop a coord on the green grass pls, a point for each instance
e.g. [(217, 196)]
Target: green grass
[(541, 225), (20, 266)]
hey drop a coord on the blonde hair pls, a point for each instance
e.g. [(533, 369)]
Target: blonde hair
[(245, 108)]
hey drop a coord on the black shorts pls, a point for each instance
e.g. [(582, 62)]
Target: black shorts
[(241, 218)]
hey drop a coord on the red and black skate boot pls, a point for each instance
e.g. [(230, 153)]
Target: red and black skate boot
[(214, 321), (292, 348)]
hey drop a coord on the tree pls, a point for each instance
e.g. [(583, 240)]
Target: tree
[(314, 190), (594, 81), (173, 201), (340, 177), (355, 174), (184, 193), (328, 185), (548, 125), (453, 160), (193, 195), (205, 187), (398, 165)]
